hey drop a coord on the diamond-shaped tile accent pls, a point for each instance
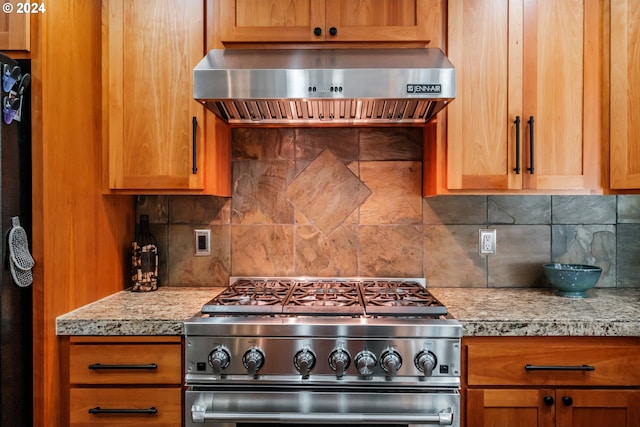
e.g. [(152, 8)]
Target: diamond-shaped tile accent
[(327, 192)]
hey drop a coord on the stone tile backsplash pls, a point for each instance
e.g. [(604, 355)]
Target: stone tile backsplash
[(348, 202)]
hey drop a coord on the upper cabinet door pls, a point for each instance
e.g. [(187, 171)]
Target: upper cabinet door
[(562, 92), (485, 46), (149, 50), (14, 26), (380, 20), (15, 33), (625, 94), (330, 20), (271, 20), (527, 115)]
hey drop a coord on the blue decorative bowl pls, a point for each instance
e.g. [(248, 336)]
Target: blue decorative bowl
[(572, 280)]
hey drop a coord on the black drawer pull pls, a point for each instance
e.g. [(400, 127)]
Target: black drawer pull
[(98, 410), (559, 368), (100, 366)]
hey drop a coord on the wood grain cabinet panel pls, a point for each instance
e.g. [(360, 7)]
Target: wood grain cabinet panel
[(154, 138), (625, 95), (126, 407), (613, 365), (15, 27), (500, 392), (523, 59), (125, 381), (540, 407), (271, 20), (329, 20), (125, 364), (597, 408), (509, 408)]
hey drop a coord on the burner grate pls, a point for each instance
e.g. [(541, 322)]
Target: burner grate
[(251, 296), (324, 297), (334, 298), (399, 297)]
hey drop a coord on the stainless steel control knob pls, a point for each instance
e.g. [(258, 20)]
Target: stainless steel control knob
[(219, 359), (253, 359), (304, 361), (425, 361), (390, 361), (339, 361), (366, 362)]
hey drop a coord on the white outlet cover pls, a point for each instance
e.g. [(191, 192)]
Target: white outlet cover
[(487, 241), (202, 242)]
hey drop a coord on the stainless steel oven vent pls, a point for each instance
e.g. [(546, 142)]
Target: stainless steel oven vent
[(306, 86)]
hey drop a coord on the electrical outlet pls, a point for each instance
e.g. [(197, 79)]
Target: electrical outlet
[(487, 241), (202, 244)]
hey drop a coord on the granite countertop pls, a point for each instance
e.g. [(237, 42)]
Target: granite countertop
[(482, 312), (538, 311), (161, 312)]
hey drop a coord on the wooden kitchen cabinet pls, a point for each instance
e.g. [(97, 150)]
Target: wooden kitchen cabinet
[(15, 26), (525, 59), (329, 20), (500, 392), (539, 408), (125, 381), (153, 130), (624, 106)]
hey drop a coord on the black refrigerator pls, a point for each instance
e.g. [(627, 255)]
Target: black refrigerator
[(16, 345)]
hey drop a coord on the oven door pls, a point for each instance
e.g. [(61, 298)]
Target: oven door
[(301, 407)]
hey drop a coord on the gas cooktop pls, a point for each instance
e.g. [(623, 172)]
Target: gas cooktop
[(326, 297)]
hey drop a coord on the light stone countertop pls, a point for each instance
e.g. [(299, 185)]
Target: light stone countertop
[(160, 312), (482, 312), (540, 312)]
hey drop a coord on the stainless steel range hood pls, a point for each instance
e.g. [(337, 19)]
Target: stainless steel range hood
[(326, 86)]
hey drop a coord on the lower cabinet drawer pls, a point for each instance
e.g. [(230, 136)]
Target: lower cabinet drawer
[(126, 363), (552, 361), (126, 407)]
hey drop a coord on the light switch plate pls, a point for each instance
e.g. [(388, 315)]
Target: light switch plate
[(202, 242)]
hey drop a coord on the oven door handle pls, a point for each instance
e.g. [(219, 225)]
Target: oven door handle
[(199, 414)]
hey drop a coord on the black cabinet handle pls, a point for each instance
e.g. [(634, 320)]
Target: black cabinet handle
[(99, 410), (548, 400), (194, 129), (567, 400), (317, 31), (517, 168), (559, 368), (531, 146), (100, 366), (333, 31)]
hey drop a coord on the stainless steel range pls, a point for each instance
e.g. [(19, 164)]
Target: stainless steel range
[(297, 351)]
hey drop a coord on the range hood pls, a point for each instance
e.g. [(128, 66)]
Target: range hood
[(325, 86)]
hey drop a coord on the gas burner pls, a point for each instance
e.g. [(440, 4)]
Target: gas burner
[(317, 297)]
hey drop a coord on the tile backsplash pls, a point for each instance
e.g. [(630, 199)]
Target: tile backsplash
[(348, 202)]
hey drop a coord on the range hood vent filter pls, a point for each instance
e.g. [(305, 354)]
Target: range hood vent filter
[(393, 86), (312, 111)]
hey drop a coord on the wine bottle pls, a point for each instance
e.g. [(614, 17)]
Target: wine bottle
[(144, 259)]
